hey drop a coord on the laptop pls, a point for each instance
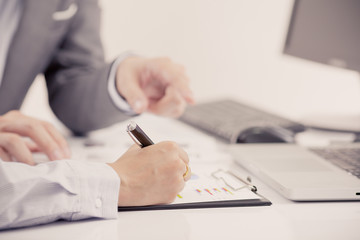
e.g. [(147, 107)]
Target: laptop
[(302, 174)]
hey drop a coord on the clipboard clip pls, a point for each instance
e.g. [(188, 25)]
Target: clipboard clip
[(233, 181)]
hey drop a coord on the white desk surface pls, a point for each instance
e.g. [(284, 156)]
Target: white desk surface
[(283, 220)]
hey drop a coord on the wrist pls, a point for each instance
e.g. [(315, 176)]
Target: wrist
[(124, 198), (117, 98)]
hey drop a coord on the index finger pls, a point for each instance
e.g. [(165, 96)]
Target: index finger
[(183, 155), (58, 138), (172, 74), (181, 84)]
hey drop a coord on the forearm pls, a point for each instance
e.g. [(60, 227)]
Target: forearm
[(65, 189)]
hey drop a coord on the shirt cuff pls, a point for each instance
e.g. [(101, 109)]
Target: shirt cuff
[(99, 187), (116, 98)]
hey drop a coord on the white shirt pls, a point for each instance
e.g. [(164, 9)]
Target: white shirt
[(63, 189)]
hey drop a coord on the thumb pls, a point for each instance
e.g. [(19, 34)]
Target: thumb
[(134, 94)]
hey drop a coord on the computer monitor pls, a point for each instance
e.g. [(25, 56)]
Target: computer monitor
[(328, 32)]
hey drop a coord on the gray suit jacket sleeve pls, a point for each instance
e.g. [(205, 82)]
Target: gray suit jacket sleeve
[(77, 75)]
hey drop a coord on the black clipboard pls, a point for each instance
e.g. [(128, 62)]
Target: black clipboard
[(228, 179)]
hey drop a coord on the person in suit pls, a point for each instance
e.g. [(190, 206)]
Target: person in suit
[(60, 39)]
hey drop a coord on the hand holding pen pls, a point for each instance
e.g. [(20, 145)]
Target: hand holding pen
[(151, 174), (142, 140)]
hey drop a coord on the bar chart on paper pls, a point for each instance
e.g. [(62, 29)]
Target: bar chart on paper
[(211, 184)]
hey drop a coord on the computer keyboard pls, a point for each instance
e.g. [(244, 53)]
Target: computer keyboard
[(347, 159), (238, 123)]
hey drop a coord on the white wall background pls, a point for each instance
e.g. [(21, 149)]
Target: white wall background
[(229, 48)]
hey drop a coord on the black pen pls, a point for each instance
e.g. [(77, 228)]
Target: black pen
[(138, 135)]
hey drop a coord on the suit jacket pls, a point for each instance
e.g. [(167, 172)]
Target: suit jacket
[(61, 39)]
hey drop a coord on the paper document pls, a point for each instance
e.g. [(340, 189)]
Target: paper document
[(209, 184)]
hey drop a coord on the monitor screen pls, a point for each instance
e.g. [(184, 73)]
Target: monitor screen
[(326, 31)]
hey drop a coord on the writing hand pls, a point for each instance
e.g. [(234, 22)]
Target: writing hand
[(151, 175)]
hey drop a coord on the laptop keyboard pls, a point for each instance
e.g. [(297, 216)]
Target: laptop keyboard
[(227, 119), (345, 158)]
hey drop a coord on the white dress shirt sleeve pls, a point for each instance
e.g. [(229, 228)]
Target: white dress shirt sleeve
[(119, 102), (63, 189)]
